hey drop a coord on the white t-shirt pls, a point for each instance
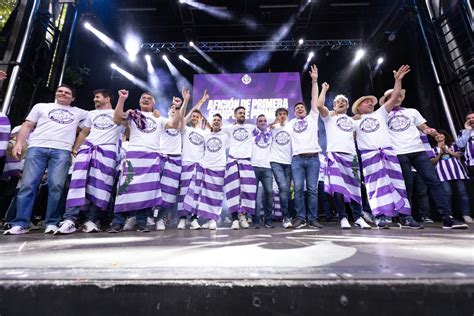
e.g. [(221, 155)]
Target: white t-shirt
[(147, 139), (170, 140), (193, 144), (56, 125), (402, 126), (215, 145), (281, 145), (304, 134), (339, 133), (103, 128), (372, 130), (261, 152), (241, 139)]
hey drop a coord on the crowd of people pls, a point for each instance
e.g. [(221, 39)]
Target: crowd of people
[(140, 164)]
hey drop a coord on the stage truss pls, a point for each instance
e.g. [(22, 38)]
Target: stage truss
[(251, 46)]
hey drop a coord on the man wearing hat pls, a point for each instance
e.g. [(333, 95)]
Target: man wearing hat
[(404, 126), (341, 175), (386, 190)]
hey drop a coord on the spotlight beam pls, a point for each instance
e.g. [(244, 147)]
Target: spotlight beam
[(136, 81), (179, 80), (209, 59), (192, 65)]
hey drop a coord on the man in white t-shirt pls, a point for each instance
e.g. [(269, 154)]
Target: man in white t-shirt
[(383, 177), (55, 126), (94, 168), (260, 159), (240, 185), (139, 189), (205, 195), (404, 126), (192, 159), (280, 161), (305, 161), (465, 141), (341, 175)]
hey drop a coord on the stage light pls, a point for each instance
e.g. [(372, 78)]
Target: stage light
[(359, 55), (180, 80), (113, 66), (164, 57), (218, 12), (148, 58), (191, 44), (379, 60), (181, 1), (132, 46), (300, 41), (192, 65), (87, 25), (310, 55), (104, 38)]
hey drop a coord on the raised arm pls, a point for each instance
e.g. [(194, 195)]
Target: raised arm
[(118, 113), (323, 110), (198, 105), (398, 75), (175, 121), (23, 133), (313, 73), (463, 139), (186, 96)]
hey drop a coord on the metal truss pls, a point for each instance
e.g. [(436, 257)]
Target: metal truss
[(250, 46)]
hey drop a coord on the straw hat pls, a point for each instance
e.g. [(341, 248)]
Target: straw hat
[(387, 94), (355, 106)]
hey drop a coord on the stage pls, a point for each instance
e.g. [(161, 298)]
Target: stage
[(429, 271)]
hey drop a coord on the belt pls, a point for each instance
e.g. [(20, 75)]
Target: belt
[(308, 155)]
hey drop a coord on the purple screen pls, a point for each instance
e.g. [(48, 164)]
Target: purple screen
[(259, 93)]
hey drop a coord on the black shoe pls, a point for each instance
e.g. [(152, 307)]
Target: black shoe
[(407, 221), (315, 224), (143, 229), (114, 229), (381, 222), (256, 226), (269, 225), (6, 226), (451, 223), (299, 223)]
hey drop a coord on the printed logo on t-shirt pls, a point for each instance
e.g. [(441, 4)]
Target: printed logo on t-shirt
[(240, 134), (262, 144), (196, 138), (300, 126), (103, 122), (398, 123), (150, 126), (345, 124), (172, 132), (282, 138), (214, 144), (369, 125), (61, 116)]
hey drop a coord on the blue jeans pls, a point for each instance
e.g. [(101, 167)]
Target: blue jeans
[(341, 207), (140, 215), (305, 168), (420, 197), (264, 175), (462, 196), (37, 160), (92, 213), (323, 202), (282, 174), (422, 163)]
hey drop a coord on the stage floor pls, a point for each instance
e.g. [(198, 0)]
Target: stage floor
[(264, 254)]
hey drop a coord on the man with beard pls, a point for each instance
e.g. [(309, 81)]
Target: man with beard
[(94, 167)]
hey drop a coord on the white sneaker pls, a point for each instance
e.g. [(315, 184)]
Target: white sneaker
[(51, 229), (212, 224), (16, 230), (467, 219), (287, 223), (243, 221), (160, 225), (368, 217), (150, 221), (90, 227), (361, 223), (345, 223), (66, 227), (195, 225), (182, 223), (130, 223), (235, 224)]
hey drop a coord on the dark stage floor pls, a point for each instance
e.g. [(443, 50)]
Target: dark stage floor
[(306, 254), (265, 271)]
